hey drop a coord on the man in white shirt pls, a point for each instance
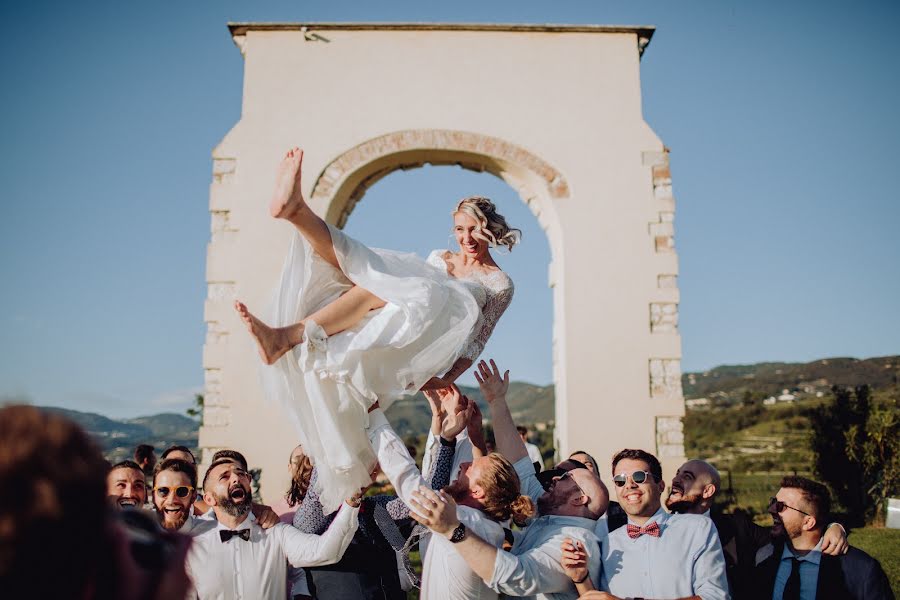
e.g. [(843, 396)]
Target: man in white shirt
[(487, 490), (239, 559), (568, 510), (658, 555), (534, 453)]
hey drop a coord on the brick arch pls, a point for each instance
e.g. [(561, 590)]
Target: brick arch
[(345, 180)]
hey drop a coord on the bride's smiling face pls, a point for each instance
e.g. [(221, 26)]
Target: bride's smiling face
[(464, 228)]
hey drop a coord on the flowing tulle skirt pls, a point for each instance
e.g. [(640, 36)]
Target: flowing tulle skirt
[(327, 383)]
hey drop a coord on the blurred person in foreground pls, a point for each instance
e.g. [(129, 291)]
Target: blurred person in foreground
[(59, 537)]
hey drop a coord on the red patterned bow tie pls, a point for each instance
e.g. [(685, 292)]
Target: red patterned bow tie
[(634, 532)]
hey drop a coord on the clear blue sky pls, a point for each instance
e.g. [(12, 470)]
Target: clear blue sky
[(782, 118)]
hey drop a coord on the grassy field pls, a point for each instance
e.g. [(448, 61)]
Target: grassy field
[(884, 545)]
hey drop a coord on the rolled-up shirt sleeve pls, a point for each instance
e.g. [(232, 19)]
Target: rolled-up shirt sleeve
[(528, 483)]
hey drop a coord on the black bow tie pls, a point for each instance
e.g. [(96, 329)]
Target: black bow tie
[(227, 534)]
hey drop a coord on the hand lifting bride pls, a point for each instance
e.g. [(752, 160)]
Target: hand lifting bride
[(352, 325)]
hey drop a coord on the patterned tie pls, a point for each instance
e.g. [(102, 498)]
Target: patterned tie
[(227, 534), (634, 532)]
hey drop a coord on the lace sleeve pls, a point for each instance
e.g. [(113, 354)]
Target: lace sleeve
[(493, 309)]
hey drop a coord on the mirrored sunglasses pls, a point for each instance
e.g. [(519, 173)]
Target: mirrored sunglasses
[(638, 477)]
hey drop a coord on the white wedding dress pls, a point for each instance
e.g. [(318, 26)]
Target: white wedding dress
[(327, 383)]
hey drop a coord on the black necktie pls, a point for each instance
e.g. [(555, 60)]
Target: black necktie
[(227, 534), (792, 587)]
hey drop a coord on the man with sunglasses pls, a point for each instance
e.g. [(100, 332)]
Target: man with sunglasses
[(794, 567), (693, 491), (174, 485), (658, 555), (568, 508)]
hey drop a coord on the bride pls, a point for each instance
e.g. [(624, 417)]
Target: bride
[(352, 325)]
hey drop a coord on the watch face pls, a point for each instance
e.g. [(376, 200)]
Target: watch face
[(458, 534)]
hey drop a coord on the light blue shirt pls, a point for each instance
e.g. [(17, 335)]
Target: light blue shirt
[(809, 572), (532, 567), (685, 560)]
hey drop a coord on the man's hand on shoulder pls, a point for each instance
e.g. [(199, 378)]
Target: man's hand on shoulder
[(265, 516)]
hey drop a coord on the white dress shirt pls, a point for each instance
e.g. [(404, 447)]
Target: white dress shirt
[(534, 453), (256, 569), (809, 572), (532, 567), (685, 560), (445, 574)]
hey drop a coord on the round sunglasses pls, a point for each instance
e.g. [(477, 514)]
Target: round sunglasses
[(638, 477), (181, 491)]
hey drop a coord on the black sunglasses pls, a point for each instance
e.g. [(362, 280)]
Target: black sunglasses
[(780, 506), (181, 491), (638, 477)]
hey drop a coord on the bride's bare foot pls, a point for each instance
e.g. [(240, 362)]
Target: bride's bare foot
[(272, 342), (288, 198)]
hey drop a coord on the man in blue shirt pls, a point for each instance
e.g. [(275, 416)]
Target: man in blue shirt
[(794, 567), (657, 555)]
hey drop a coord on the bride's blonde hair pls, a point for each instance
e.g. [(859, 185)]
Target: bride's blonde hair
[(492, 226)]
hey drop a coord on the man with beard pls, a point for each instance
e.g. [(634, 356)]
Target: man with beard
[(568, 509), (126, 485), (794, 567), (239, 559), (657, 555), (487, 491), (693, 491), (174, 485)]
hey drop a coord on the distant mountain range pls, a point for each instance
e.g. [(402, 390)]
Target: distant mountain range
[(529, 403), (118, 438)]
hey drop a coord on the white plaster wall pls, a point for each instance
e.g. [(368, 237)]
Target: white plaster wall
[(572, 99)]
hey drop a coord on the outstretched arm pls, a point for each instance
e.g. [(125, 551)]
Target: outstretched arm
[(310, 550), (493, 388)]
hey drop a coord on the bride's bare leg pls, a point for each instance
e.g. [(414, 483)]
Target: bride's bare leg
[(288, 204), (345, 312), (273, 342)]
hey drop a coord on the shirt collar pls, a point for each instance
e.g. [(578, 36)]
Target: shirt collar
[(247, 523), (814, 556), (706, 514), (660, 516)]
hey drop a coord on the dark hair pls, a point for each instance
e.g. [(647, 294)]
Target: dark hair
[(232, 455), (216, 463), (172, 449), (522, 430), (144, 452), (591, 459), (652, 461), (125, 464), (814, 493), (53, 502), (179, 466)]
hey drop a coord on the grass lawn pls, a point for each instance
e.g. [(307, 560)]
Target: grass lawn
[(884, 545)]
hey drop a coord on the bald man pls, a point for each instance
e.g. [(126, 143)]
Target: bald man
[(693, 491), (569, 504)]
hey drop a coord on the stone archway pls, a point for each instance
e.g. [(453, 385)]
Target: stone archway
[(574, 147)]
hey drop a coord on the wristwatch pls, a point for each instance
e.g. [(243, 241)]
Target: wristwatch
[(458, 534)]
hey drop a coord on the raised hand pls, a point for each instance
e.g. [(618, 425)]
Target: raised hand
[(435, 383), (457, 412), (434, 510), (492, 385)]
